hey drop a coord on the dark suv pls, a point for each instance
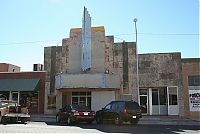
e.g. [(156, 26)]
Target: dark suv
[(119, 111)]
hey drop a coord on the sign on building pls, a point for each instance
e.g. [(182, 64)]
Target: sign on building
[(86, 41), (194, 98)]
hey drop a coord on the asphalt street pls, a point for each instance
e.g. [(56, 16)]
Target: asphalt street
[(53, 127)]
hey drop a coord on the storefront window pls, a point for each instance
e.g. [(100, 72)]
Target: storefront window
[(4, 95), (172, 91), (154, 96), (15, 96), (75, 100), (82, 101), (143, 91), (194, 80), (163, 96), (30, 100), (52, 102), (173, 99), (81, 98)]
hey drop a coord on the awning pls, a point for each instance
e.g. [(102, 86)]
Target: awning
[(19, 84)]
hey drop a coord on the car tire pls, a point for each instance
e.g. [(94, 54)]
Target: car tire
[(3, 120), (23, 120), (69, 120), (99, 120), (117, 120), (57, 118)]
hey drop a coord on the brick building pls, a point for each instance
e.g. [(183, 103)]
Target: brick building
[(191, 85), (4, 67), (27, 88)]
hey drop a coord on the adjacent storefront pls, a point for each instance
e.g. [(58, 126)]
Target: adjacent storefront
[(159, 101), (25, 88)]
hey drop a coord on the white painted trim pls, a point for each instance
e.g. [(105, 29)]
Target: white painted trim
[(150, 101), (158, 101), (10, 95), (18, 97)]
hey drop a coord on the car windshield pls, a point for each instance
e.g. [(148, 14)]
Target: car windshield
[(132, 105), (80, 107)]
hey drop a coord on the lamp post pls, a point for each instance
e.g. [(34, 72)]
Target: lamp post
[(135, 21)]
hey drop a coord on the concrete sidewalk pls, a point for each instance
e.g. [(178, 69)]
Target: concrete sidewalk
[(169, 120), (43, 118), (146, 119)]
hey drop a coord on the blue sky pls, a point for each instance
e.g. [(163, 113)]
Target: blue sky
[(27, 26)]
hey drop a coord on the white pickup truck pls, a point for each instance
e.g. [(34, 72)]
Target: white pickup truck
[(10, 111)]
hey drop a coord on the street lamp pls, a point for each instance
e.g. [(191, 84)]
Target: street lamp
[(135, 21)]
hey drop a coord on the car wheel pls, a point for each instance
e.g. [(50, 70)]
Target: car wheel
[(58, 119), (99, 120), (23, 120), (3, 120), (117, 120), (69, 120), (134, 121)]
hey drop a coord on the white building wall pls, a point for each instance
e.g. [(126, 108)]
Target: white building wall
[(101, 98)]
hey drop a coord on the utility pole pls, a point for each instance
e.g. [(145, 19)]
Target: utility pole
[(137, 70)]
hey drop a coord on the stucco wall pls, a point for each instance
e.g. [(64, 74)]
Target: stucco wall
[(95, 80), (162, 70), (101, 98)]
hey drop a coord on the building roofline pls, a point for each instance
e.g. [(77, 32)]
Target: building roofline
[(161, 53), (94, 29), (23, 72), (190, 59), (11, 64)]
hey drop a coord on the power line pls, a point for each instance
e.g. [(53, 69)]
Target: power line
[(164, 34), (29, 42), (115, 36)]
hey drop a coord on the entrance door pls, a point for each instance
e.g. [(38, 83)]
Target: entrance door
[(15, 96), (158, 101), (144, 103), (172, 94)]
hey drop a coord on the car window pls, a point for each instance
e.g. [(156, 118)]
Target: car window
[(108, 107), (114, 106), (117, 106), (132, 105), (120, 105), (80, 107)]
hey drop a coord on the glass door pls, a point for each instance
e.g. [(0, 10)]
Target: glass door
[(158, 102), (15, 96), (172, 93), (144, 104)]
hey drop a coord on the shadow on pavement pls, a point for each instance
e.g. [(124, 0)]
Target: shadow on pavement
[(140, 128)]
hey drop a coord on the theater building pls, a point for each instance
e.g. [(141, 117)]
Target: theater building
[(91, 69)]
